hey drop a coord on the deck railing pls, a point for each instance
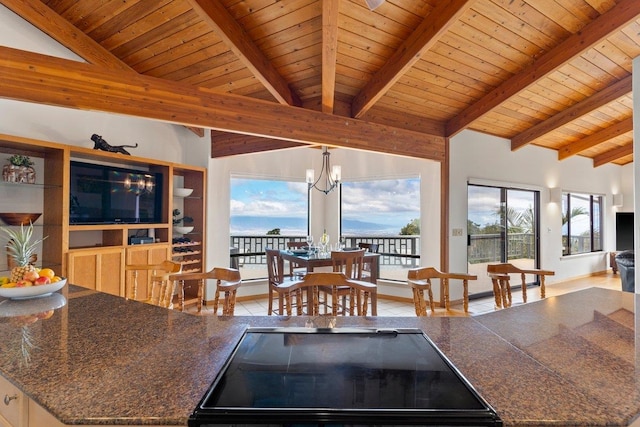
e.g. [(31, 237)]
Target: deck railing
[(488, 247), (397, 253)]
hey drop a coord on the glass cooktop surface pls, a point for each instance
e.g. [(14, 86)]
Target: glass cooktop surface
[(339, 375)]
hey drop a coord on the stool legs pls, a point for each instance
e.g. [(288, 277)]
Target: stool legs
[(524, 287)]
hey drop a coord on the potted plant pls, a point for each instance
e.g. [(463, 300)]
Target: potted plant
[(19, 169)]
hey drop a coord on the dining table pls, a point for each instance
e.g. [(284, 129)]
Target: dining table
[(311, 260)]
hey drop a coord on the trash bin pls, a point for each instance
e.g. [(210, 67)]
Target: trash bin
[(626, 265)]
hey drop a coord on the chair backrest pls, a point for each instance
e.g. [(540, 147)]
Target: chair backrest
[(364, 293), (350, 263), (275, 266), (155, 274), (428, 273), (506, 268), (503, 268), (370, 247)]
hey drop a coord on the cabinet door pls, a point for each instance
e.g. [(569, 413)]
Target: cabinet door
[(144, 254), (13, 405), (101, 269)]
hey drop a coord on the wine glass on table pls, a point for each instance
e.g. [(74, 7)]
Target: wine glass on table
[(309, 241), (324, 244)]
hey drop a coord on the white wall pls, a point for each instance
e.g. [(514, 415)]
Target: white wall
[(483, 157)]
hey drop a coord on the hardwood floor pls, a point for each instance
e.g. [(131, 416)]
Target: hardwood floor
[(478, 306)]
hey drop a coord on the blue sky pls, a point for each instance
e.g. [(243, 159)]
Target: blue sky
[(251, 197)]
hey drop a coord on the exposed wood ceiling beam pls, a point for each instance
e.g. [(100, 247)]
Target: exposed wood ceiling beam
[(610, 132), (620, 15), (441, 18), (612, 155), (236, 38), (32, 77), (46, 20), (49, 22), (329, 52), (586, 106), (224, 144)]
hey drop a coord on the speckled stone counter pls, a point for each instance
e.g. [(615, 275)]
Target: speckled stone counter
[(99, 359)]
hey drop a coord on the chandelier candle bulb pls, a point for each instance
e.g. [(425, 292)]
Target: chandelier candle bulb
[(336, 172)]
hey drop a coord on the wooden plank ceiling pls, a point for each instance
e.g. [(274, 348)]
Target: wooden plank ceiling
[(553, 73)]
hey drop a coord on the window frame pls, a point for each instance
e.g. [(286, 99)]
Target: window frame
[(595, 220)]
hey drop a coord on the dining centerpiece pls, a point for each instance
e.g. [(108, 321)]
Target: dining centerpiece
[(20, 169)]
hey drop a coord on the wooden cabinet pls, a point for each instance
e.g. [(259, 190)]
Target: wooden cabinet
[(101, 269), (46, 196), (13, 405), (95, 255), (189, 248)]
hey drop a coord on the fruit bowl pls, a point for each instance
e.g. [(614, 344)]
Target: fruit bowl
[(182, 192), (32, 291), (12, 218)]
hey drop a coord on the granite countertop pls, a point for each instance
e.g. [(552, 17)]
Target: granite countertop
[(100, 359)]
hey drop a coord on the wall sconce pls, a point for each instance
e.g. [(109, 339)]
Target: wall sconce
[(618, 200), (555, 195)]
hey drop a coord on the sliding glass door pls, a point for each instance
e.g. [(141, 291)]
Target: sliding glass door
[(502, 226)]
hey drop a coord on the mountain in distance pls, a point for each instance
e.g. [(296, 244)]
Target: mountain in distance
[(292, 226)]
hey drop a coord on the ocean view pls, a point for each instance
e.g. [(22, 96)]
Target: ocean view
[(260, 225)]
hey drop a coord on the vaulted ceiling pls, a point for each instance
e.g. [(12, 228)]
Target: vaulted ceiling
[(268, 74)]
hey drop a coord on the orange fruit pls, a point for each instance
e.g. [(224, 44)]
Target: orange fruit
[(47, 272)]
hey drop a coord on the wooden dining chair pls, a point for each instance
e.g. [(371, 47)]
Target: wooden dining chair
[(500, 278), (366, 267), (361, 294), (228, 281), (419, 279), (349, 263), (160, 288), (297, 270), (277, 280)]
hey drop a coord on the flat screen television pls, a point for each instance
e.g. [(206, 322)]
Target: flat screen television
[(102, 194), (624, 231)]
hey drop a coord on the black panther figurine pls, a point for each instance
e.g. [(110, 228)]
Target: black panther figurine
[(101, 144)]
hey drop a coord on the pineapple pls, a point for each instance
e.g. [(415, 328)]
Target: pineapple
[(21, 249)]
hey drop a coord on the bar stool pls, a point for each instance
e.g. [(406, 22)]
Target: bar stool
[(419, 279), (160, 288), (228, 281), (504, 269)]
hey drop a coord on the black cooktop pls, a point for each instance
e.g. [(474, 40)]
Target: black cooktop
[(300, 376)]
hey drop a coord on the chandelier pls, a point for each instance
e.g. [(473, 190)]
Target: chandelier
[(329, 176)]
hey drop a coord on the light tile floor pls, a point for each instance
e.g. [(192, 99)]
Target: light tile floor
[(386, 307)]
